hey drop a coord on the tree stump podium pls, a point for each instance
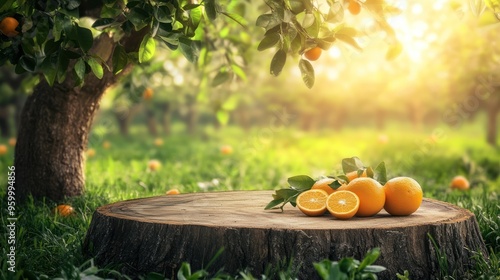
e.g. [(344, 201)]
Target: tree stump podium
[(159, 233)]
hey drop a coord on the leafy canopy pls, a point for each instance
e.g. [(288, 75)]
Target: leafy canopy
[(58, 35)]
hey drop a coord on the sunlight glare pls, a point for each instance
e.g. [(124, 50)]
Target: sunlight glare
[(335, 52)]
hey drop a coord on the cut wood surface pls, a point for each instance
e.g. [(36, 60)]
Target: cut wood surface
[(159, 233)]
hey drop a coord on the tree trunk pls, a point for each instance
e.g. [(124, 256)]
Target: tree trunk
[(159, 233), (53, 136), (4, 121), (166, 119), (55, 125), (492, 124), (151, 122), (124, 115)]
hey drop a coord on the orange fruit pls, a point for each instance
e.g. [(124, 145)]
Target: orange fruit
[(312, 202), (147, 94), (64, 210), (371, 195), (323, 184), (106, 145), (158, 142), (354, 174), (403, 196), (354, 7), (154, 165), (90, 153), (313, 54), (460, 183), (172, 191), (12, 142), (342, 204), (8, 26), (3, 149), (226, 150)]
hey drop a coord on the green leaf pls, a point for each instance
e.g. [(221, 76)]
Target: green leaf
[(210, 9), (336, 13), (307, 72), (147, 48), (96, 67), (220, 78), (381, 173), (62, 65), (163, 14), (139, 18), (49, 68), (236, 18), (120, 59), (267, 21), (286, 193), (239, 72), (274, 203), (103, 23), (278, 62), (195, 17), (28, 63), (80, 69), (394, 51), (301, 182), (85, 39), (374, 269), (269, 41), (222, 117), (370, 258), (189, 48), (352, 164), (349, 40)]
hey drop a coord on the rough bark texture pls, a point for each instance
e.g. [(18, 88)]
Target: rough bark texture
[(52, 139), (55, 123), (159, 233)]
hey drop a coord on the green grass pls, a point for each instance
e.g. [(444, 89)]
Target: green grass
[(263, 159)]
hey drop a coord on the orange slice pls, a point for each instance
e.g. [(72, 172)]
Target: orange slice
[(342, 204), (312, 202)]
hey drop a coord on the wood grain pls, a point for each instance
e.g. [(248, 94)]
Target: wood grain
[(159, 233)]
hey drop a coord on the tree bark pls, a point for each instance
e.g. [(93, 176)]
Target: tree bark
[(4, 122), (55, 124), (159, 233), (52, 139), (492, 123), (151, 122), (166, 119)]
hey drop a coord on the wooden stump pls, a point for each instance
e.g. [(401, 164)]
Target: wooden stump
[(159, 233)]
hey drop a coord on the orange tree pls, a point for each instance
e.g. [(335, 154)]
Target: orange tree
[(81, 47)]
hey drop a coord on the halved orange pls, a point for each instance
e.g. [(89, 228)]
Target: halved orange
[(342, 204), (312, 202)]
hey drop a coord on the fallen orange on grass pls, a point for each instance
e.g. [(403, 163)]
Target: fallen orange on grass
[(172, 191), (226, 150), (342, 204), (3, 149), (158, 142), (460, 183), (312, 202), (64, 210), (12, 142), (154, 165)]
